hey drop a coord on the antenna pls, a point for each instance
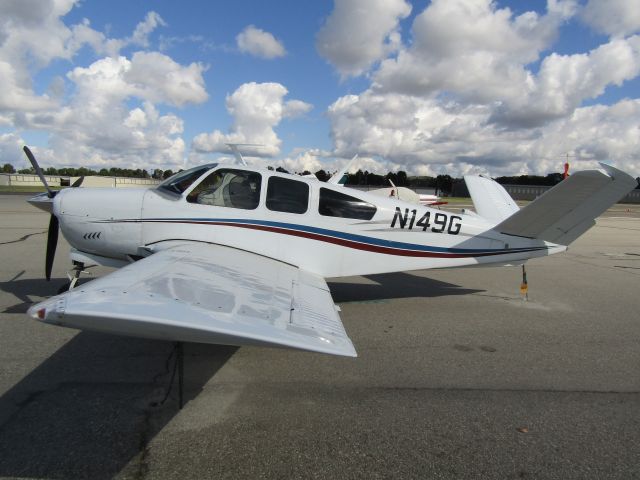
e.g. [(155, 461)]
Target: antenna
[(236, 151)]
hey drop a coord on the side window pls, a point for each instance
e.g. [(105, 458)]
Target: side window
[(228, 188), (285, 195), (336, 204)]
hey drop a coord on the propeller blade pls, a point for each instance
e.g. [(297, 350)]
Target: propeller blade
[(38, 170), (78, 182), (52, 241)]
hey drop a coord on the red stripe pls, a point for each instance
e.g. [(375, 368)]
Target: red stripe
[(350, 243)]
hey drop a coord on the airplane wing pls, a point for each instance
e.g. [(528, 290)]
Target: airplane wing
[(206, 293)]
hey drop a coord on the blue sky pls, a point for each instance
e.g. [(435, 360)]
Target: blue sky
[(444, 86)]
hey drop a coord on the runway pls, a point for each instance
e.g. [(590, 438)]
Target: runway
[(457, 377)]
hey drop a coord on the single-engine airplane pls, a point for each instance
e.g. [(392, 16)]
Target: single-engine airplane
[(230, 254)]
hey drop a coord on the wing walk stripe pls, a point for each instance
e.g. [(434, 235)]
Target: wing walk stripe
[(358, 242)]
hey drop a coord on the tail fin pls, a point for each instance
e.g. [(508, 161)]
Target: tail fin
[(341, 177), (490, 199), (569, 209)]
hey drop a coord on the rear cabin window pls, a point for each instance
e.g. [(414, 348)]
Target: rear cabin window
[(286, 195), (228, 188), (336, 204)]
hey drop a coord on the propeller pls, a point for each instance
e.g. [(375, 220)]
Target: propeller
[(54, 224), (78, 182), (38, 170)]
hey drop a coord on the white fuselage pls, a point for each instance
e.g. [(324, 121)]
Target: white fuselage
[(124, 225)]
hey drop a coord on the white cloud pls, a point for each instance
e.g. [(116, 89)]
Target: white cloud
[(141, 34), (139, 37), (359, 33), (565, 81), (431, 137), (616, 18), (92, 125), (97, 128), (463, 96), (32, 34), (149, 76), (138, 138), (257, 42), (257, 108), (306, 161), (472, 49), (159, 78), (11, 150)]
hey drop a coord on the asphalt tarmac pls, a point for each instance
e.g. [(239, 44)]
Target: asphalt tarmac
[(457, 377)]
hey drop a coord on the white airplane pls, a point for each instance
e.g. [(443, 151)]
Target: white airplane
[(229, 254), (401, 193)]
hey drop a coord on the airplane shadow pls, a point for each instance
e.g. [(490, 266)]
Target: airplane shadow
[(37, 287), (394, 285), (96, 403)]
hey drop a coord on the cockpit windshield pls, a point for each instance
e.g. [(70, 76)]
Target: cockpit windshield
[(179, 182)]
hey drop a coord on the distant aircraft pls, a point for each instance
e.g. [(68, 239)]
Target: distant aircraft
[(237, 255), (401, 193)]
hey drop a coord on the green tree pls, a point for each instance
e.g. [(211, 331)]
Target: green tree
[(8, 168), (322, 175), (444, 183)]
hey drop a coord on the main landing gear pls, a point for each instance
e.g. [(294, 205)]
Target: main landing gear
[(74, 275)]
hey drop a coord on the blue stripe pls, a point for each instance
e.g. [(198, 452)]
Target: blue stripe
[(345, 236)]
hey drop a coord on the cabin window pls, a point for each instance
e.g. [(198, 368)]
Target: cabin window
[(336, 204), (286, 195), (228, 188)]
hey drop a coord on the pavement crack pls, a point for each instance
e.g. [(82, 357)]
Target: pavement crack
[(146, 430), (23, 238)]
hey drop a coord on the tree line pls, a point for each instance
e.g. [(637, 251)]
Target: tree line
[(441, 183), (103, 172)]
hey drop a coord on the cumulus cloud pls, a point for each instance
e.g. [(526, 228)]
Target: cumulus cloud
[(615, 18), (109, 114), (435, 137), (32, 34), (472, 49), (257, 108), (476, 92), (97, 127), (255, 41), (565, 81), (11, 150), (359, 33)]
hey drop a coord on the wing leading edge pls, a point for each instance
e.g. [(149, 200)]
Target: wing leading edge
[(208, 294)]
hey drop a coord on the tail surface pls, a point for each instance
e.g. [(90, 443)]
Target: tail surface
[(490, 199), (569, 209)]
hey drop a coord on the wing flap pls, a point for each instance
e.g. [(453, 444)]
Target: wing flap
[(208, 294)]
